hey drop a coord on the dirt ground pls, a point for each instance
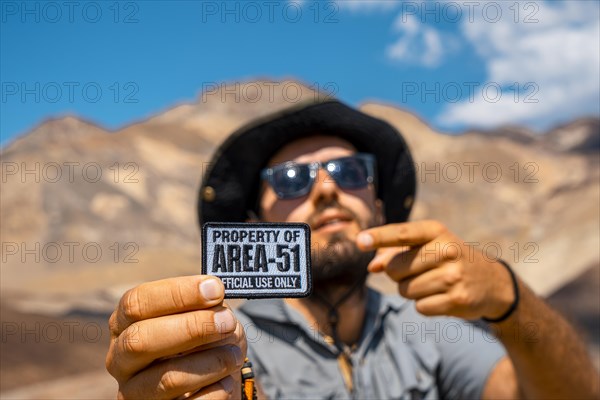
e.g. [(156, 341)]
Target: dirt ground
[(40, 349)]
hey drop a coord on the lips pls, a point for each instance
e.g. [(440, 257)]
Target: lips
[(331, 219)]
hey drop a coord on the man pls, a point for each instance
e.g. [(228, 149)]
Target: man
[(354, 184)]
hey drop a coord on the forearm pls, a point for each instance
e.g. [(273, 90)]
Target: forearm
[(549, 358)]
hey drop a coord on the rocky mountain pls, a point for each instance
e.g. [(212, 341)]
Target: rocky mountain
[(580, 136), (87, 213)]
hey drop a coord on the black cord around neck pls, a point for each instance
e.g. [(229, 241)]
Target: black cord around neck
[(333, 316)]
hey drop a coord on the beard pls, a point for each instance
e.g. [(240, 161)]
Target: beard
[(340, 264)]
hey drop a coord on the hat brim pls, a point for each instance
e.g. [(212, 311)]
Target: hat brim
[(230, 186)]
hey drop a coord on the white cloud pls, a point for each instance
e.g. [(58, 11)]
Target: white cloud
[(560, 54), (418, 44)]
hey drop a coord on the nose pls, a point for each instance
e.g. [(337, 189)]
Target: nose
[(325, 188)]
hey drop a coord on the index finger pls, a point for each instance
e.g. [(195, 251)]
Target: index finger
[(166, 297), (403, 234)]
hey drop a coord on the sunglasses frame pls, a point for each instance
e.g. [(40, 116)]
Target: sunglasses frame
[(370, 162)]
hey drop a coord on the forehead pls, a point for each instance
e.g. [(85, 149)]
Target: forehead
[(314, 148)]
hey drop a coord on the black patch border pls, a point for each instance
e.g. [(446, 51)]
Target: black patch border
[(261, 225)]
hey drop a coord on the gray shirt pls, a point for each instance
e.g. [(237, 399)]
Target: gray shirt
[(401, 354)]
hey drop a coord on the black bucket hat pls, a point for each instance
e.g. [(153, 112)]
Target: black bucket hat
[(230, 187)]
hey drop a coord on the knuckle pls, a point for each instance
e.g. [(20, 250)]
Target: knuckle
[(131, 341), (113, 324), (461, 298), (451, 251), (131, 306), (191, 326), (178, 297), (169, 381), (196, 326), (452, 275), (400, 233), (224, 362)]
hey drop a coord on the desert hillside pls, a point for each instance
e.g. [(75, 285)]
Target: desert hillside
[(88, 213)]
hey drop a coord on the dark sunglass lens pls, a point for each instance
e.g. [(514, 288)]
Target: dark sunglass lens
[(291, 180), (352, 173)]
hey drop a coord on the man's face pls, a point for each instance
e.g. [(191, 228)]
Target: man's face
[(335, 215)]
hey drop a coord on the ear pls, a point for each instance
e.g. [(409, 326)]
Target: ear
[(379, 212)]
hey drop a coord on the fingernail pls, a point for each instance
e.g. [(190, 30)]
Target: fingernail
[(210, 289), (224, 320), (237, 353), (227, 384), (365, 240)]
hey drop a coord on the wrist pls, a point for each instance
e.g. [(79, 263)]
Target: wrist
[(505, 293)]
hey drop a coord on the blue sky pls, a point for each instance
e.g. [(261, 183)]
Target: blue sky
[(457, 64)]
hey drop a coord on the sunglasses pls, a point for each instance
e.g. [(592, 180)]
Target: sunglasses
[(291, 180)]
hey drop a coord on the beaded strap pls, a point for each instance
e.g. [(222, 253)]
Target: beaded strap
[(248, 384)]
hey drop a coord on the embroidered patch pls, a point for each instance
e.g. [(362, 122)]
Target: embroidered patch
[(258, 260)]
